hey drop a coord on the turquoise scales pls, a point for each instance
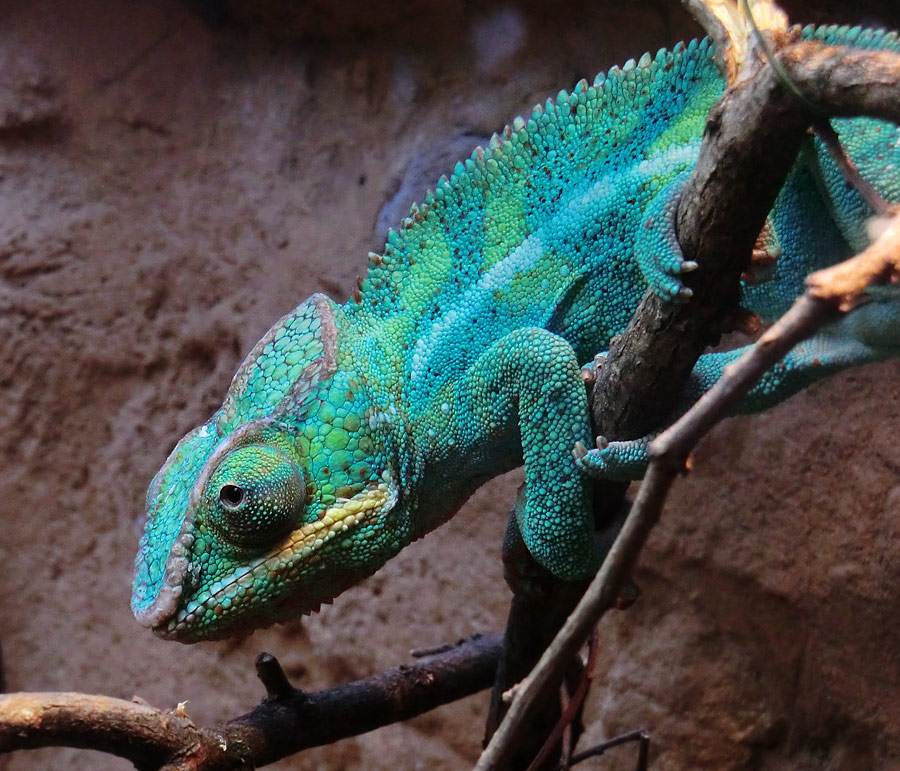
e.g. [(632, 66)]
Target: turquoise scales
[(349, 431)]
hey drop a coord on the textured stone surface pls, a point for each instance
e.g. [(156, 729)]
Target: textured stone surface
[(173, 178)]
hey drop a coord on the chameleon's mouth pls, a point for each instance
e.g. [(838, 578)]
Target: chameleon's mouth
[(265, 589)]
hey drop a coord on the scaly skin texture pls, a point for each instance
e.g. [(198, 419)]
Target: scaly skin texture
[(349, 431)]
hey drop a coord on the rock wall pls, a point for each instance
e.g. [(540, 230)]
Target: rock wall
[(174, 177)]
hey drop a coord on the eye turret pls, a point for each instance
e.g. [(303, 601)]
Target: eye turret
[(256, 496)]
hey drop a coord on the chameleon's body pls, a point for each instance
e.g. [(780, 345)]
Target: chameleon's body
[(352, 430)]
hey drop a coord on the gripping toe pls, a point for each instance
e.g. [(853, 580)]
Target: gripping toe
[(657, 250), (618, 461)]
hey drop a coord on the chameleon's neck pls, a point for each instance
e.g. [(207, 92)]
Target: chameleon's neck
[(422, 442)]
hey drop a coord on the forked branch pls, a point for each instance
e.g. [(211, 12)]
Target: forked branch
[(286, 722), (752, 139)]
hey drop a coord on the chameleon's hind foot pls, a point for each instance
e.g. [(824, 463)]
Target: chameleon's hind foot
[(766, 251), (657, 249)]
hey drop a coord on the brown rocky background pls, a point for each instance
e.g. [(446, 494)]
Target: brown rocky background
[(174, 176)]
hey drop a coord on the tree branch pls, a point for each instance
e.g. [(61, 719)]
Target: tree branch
[(280, 726), (753, 135)]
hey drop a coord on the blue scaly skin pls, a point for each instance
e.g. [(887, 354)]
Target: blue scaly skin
[(351, 430)]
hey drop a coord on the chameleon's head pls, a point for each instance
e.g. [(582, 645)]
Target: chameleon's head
[(278, 503)]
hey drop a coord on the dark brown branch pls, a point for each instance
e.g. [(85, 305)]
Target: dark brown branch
[(845, 82), (752, 137), (275, 730), (152, 738)]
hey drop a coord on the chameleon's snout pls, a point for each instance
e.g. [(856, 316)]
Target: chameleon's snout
[(156, 614)]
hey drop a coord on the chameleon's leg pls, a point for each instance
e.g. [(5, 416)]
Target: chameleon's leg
[(616, 461), (530, 381), (656, 248), (870, 333)]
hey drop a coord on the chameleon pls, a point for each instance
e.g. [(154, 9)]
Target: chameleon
[(351, 430)]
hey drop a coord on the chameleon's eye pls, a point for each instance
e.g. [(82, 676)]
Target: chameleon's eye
[(256, 496), (231, 496)]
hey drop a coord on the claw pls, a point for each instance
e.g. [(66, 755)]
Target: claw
[(579, 451), (684, 294), (687, 266), (763, 256), (589, 371), (602, 442)]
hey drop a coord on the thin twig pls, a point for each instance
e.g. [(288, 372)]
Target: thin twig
[(880, 263), (825, 131), (640, 736), (571, 709), (669, 451), (600, 597), (273, 678)]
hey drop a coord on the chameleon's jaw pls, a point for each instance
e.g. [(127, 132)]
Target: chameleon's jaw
[(175, 629), (292, 579), (158, 614)]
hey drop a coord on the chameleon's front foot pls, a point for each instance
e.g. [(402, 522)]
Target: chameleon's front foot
[(617, 461)]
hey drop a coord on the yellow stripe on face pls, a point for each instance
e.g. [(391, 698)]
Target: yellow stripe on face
[(338, 518)]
